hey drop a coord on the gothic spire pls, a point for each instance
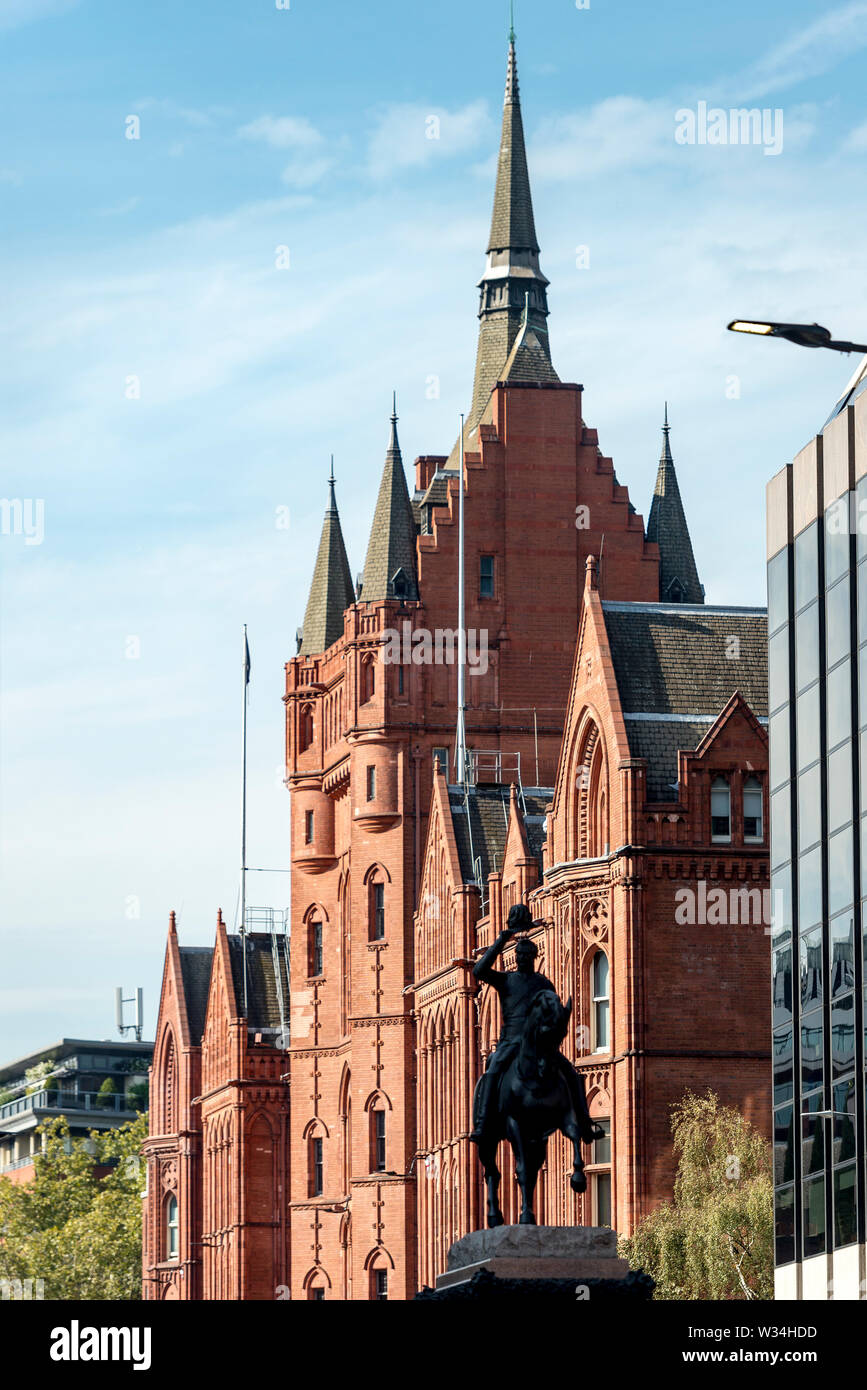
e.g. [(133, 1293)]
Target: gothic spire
[(512, 278), (666, 525), (331, 591), (389, 569)]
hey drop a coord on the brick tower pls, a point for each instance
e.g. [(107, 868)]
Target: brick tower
[(368, 713), (370, 709)]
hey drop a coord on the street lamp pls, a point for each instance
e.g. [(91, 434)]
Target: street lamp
[(811, 335)]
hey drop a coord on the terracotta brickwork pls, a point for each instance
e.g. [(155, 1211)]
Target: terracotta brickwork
[(218, 1142), (354, 1048), (315, 1139), (687, 1001)]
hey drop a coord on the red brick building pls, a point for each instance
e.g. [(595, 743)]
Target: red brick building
[(650, 915), (314, 1140)]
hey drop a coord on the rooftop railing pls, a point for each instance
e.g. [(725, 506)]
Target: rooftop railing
[(67, 1100)]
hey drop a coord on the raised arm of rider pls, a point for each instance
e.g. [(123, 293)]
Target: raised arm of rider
[(483, 968)]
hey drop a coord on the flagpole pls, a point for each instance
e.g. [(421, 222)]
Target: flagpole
[(244, 821), (461, 739)]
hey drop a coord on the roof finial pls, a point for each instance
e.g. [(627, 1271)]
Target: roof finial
[(511, 21), (332, 496), (665, 456), (393, 443)]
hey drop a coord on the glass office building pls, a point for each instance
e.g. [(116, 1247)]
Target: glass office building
[(817, 673)]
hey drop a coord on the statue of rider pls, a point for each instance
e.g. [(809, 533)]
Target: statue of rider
[(517, 988)]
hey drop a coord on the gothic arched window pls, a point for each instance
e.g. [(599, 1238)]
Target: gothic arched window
[(368, 679), (377, 1139), (376, 909), (315, 1165)]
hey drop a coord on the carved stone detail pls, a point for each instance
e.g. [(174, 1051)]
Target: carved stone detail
[(594, 920)]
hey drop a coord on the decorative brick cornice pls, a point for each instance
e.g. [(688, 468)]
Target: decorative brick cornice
[(336, 778), (306, 1052), (382, 1020)]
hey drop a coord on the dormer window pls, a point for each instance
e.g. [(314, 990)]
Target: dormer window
[(720, 810), (754, 831), (400, 584)]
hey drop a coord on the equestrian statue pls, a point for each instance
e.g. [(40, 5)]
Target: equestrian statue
[(528, 1089)]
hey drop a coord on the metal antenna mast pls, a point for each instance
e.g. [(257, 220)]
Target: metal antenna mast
[(119, 1001)]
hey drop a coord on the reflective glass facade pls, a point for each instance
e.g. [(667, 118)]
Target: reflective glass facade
[(817, 635)]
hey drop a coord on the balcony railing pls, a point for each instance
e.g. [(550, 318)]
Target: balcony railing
[(67, 1101), (25, 1162)]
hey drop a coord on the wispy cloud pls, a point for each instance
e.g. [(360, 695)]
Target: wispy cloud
[(310, 161), (283, 132), (856, 140), (15, 13), (411, 134), (193, 116), (619, 133), (807, 53), (120, 209)]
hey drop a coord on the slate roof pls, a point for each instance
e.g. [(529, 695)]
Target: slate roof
[(666, 525), (512, 269), (331, 591), (529, 360), (484, 831), (437, 494), (391, 547), (672, 662), (263, 1001), (512, 222), (196, 962)]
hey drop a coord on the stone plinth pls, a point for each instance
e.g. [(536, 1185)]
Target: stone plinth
[(535, 1252)]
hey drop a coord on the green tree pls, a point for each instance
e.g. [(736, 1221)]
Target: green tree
[(79, 1233), (137, 1096), (715, 1240), (39, 1077)]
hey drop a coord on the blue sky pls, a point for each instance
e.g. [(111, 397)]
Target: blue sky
[(155, 259)]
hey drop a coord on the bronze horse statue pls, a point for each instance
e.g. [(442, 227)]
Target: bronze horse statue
[(534, 1096)]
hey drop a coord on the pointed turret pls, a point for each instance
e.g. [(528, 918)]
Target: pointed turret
[(513, 288), (331, 591), (389, 569), (666, 525)]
